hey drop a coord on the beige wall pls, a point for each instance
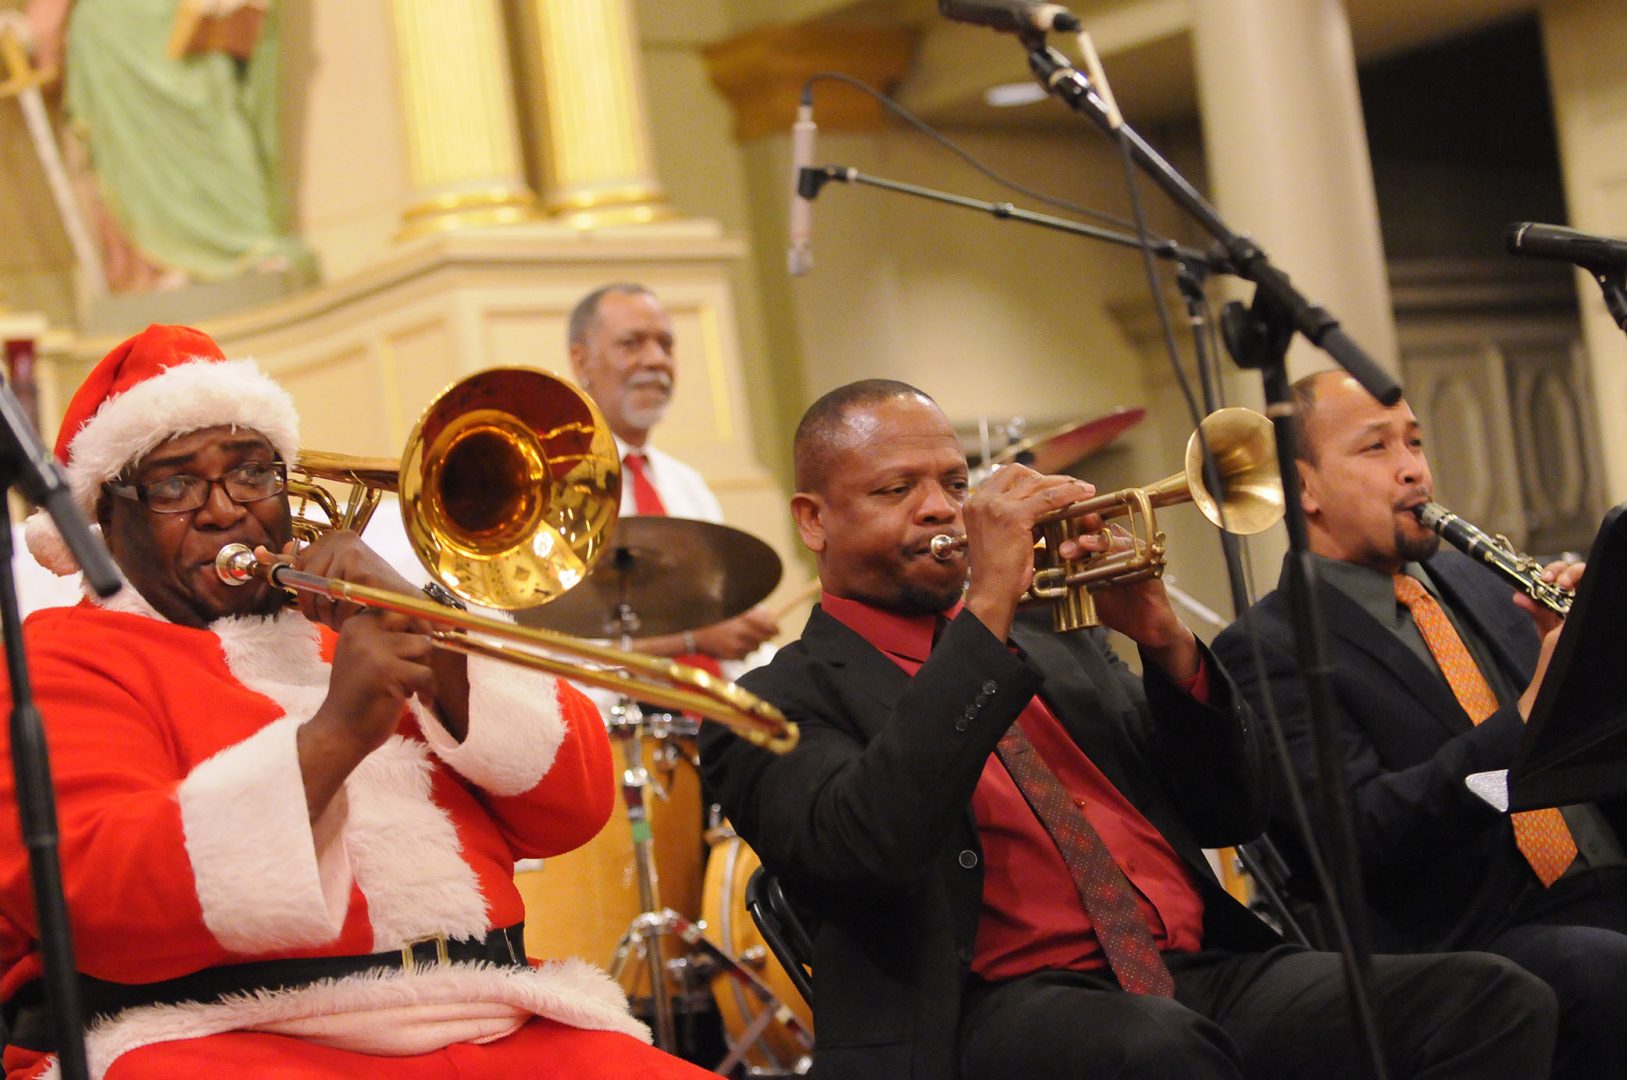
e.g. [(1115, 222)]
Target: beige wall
[(347, 157), (705, 176)]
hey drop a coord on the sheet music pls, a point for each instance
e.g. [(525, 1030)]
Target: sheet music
[(1492, 787)]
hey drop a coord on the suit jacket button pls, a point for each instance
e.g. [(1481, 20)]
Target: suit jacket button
[(970, 712), (968, 859), (961, 723), (990, 686), (965, 954)]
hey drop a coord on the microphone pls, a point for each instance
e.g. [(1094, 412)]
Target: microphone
[(1597, 253), (799, 253), (1012, 16)]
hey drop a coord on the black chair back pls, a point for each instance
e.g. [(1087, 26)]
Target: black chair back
[(782, 929)]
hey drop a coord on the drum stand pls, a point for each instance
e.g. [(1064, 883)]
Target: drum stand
[(643, 937)]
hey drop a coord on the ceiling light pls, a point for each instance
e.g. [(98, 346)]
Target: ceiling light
[(1007, 95)]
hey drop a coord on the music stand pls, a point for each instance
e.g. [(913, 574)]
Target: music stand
[(1575, 744)]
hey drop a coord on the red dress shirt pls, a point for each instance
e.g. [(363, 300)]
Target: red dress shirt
[(1032, 918)]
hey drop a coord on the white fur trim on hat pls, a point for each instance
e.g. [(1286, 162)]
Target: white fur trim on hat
[(185, 398)]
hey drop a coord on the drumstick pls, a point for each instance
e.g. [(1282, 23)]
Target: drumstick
[(796, 600)]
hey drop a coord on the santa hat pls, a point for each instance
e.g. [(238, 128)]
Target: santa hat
[(165, 381)]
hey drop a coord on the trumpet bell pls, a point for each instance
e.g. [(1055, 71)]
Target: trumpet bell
[(1244, 446), (510, 486)]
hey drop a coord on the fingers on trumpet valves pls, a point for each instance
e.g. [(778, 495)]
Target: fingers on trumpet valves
[(1102, 538)]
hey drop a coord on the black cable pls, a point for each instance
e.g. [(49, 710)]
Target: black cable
[(965, 155), (1138, 212)]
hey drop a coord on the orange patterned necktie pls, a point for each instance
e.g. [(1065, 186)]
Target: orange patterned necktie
[(1541, 835)]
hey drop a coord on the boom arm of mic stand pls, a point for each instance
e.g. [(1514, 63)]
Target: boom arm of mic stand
[(1275, 295), (812, 180), (1278, 311)]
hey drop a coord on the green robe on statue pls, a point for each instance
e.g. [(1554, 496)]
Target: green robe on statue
[(184, 151)]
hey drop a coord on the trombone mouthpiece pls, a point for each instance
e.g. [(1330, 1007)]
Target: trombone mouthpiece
[(943, 546), (234, 564)]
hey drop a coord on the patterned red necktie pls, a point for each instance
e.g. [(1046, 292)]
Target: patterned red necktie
[(646, 500), (1106, 894), (1541, 835)]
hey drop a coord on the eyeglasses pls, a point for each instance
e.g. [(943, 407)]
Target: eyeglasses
[(245, 483)]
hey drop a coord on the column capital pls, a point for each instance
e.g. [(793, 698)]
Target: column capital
[(761, 72)]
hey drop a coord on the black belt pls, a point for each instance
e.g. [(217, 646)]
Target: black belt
[(29, 1022)]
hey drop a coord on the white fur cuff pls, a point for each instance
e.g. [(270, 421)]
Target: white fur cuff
[(515, 728), (266, 879)]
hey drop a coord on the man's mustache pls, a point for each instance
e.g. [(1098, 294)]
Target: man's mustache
[(659, 380), (1413, 498)]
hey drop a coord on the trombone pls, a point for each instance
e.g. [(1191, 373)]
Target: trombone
[(509, 487), (1249, 501)]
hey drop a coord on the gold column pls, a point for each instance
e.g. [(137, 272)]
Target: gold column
[(462, 139), (596, 163)]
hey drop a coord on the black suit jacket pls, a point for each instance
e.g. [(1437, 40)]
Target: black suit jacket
[(868, 820), (1439, 866)]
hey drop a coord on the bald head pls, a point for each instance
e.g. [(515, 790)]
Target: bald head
[(1303, 395), (834, 424)]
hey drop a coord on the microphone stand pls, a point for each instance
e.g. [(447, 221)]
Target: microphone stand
[(1258, 338), (25, 463), (812, 179)]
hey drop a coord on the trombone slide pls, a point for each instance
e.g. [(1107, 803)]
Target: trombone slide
[(644, 678)]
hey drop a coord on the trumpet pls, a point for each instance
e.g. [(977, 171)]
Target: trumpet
[(1249, 501), (1522, 571), (509, 489)]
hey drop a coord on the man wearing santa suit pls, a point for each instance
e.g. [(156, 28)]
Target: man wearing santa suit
[(287, 827)]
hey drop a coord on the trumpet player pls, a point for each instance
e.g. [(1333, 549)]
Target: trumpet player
[(287, 832), (1435, 664), (998, 830)]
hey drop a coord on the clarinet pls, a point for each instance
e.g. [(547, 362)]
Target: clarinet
[(1524, 572)]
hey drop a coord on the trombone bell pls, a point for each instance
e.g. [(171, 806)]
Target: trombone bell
[(510, 487)]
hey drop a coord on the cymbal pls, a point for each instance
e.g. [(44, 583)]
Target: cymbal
[(672, 575), (1061, 447)]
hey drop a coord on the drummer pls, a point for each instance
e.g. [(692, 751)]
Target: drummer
[(621, 346)]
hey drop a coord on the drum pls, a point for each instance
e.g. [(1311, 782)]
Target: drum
[(729, 866), (581, 903)]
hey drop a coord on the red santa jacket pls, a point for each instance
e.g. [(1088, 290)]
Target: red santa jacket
[(186, 843)]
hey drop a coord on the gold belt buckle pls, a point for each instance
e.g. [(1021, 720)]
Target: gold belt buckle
[(442, 956)]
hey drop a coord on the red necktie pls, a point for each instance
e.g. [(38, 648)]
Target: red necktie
[(1106, 894), (1541, 835), (646, 500)]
